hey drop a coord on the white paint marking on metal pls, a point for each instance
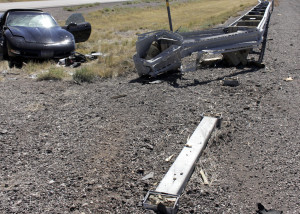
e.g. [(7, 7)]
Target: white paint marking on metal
[(180, 172)]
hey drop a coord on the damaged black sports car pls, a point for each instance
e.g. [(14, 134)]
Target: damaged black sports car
[(34, 34)]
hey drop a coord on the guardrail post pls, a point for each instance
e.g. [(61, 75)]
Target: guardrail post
[(169, 15)]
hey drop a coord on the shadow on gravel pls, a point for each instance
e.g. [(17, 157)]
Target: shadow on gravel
[(170, 77), (173, 76)]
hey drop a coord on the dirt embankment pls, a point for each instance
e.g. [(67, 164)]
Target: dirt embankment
[(68, 148)]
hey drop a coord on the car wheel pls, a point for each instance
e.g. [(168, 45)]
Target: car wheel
[(5, 50), (17, 63)]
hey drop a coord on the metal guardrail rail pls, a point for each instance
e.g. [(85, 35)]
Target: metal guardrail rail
[(161, 51), (167, 194)]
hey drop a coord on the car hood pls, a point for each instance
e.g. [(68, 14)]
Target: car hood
[(42, 35)]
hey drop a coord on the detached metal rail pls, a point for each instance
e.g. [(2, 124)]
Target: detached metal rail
[(165, 198), (162, 50)]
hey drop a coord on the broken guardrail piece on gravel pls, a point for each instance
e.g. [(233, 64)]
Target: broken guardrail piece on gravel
[(172, 185), (231, 81), (149, 176), (161, 51)]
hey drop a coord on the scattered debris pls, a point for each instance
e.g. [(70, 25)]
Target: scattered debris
[(149, 176), (3, 131), (263, 210), (118, 96), (76, 59), (205, 180), (140, 171), (289, 79), (231, 81), (33, 76), (51, 182), (169, 158), (156, 82), (162, 51)]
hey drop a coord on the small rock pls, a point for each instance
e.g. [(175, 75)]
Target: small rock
[(288, 79), (3, 131), (140, 171), (51, 182)]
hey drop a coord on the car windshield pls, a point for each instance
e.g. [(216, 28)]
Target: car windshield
[(25, 19)]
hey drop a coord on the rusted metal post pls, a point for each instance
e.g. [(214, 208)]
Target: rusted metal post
[(169, 15)]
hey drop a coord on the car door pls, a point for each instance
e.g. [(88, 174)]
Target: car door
[(77, 25)]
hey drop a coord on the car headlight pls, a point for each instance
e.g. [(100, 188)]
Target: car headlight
[(66, 41), (63, 42)]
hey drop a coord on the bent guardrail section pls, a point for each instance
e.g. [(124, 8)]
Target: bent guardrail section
[(162, 51)]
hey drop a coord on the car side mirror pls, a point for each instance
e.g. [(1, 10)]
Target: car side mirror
[(71, 25)]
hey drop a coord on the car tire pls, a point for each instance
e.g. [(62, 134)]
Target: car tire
[(5, 50), (17, 63)]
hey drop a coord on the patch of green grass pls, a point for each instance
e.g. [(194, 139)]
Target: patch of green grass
[(84, 74), (53, 74)]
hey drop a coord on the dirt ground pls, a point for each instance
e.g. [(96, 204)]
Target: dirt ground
[(69, 148)]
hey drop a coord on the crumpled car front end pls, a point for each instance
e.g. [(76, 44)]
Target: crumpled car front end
[(39, 43)]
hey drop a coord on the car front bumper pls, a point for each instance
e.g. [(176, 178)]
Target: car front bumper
[(40, 51)]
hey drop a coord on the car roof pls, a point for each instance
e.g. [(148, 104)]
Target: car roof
[(28, 10), (13, 10)]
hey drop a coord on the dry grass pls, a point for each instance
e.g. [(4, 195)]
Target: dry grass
[(33, 67), (84, 75), (53, 73), (3, 65), (74, 8)]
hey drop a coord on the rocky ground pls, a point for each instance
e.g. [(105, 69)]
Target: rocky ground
[(69, 148)]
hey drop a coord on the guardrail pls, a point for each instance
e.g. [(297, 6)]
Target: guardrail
[(167, 194), (162, 50)]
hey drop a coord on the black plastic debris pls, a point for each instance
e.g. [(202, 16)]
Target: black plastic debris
[(263, 210), (76, 59)]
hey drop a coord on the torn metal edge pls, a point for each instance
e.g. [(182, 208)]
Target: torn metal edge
[(170, 210)]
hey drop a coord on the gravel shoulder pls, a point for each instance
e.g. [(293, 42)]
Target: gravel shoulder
[(69, 148)]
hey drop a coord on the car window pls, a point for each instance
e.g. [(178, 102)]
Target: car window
[(30, 20)]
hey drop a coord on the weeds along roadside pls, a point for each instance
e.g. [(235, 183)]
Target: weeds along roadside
[(115, 30)]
